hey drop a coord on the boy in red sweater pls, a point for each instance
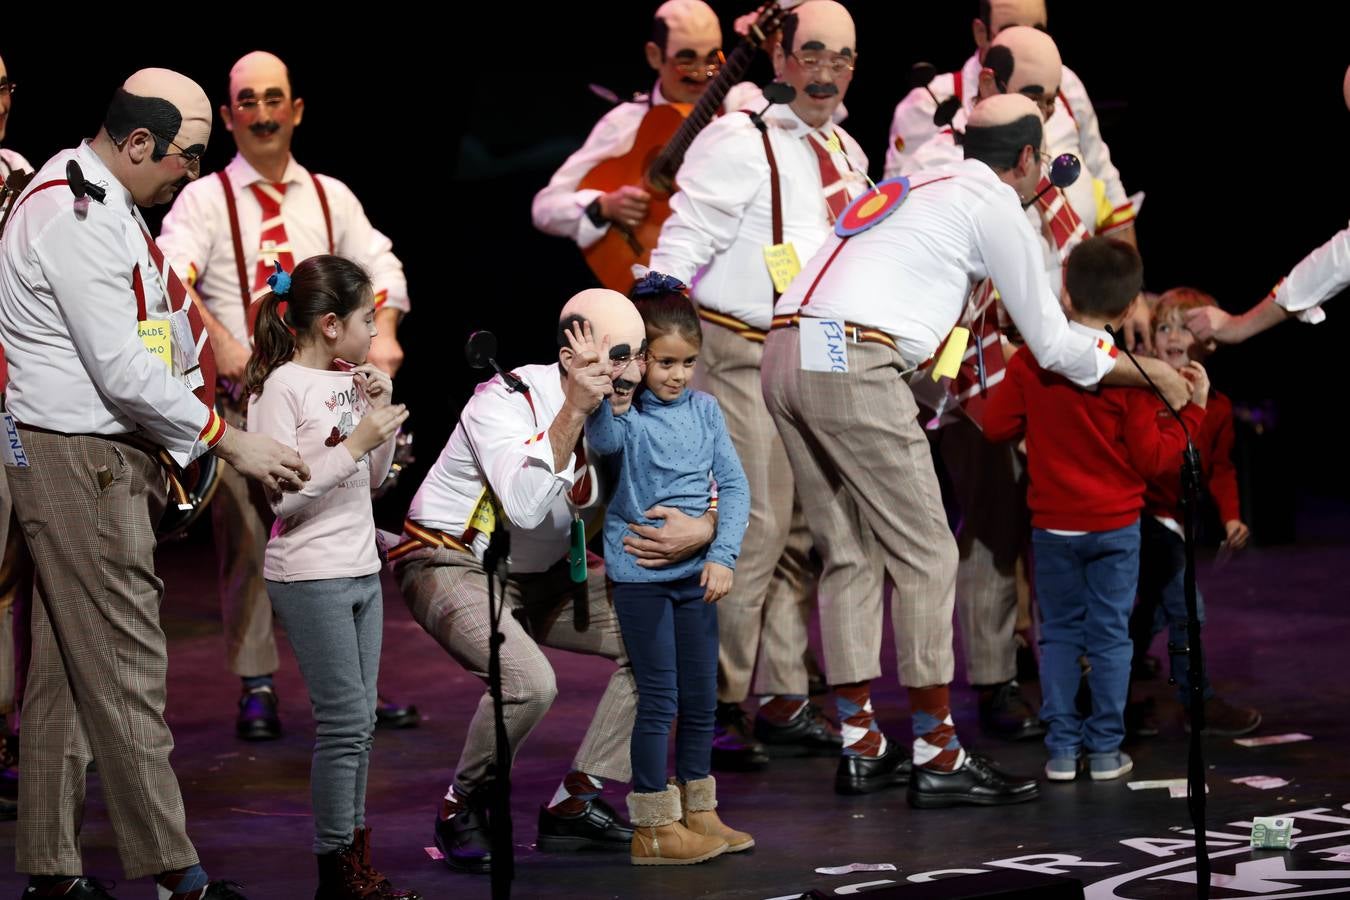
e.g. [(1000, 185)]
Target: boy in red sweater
[(1088, 455), (1162, 552)]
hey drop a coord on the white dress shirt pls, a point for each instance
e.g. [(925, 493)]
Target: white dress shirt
[(1072, 129), (196, 238), (560, 208), (722, 218), (499, 429), (910, 274), (1318, 277), (68, 318)]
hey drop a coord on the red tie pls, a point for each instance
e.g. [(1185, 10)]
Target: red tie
[(984, 355), (178, 297), (836, 194), (581, 489), (273, 245), (1066, 229)]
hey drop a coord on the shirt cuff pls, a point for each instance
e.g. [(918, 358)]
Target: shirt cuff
[(587, 231), (1311, 315), (540, 449)]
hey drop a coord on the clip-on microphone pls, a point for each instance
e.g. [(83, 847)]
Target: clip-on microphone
[(1064, 171), (81, 188), (1190, 505), (480, 352), (775, 92), (921, 75)]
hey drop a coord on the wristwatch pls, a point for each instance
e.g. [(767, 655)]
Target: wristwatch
[(595, 214)]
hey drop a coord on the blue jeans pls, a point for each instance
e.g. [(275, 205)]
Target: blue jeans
[(1162, 599), (1085, 585), (671, 636)]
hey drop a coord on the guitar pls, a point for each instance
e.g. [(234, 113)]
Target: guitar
[(658, 149)]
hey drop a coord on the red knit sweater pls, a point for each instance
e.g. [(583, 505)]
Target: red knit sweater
[(1089, 453)]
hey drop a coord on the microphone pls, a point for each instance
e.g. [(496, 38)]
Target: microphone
[(774, 92), (921, 75), (1064, 171), (480, 352), (81, 188)]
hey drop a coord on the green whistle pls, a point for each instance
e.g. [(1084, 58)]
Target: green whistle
[(576, 556)]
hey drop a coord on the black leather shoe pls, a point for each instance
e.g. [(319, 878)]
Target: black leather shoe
[(464, 838), (223, 890), (597, 827), (808, 733), (258, 720), (82, 889), (1005, 713), (390, 715), (867, 774), (734, 749), (976, 783)]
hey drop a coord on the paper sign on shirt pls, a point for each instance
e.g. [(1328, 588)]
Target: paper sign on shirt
[(783, 264), (184, 349), (11, 450), (483, 519), (949, 363), (155, 336), (824, 345)]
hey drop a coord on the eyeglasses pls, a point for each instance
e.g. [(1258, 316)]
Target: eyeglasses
[(708, 67), (619, 363), (250, 104), (191, 158), (839, 66), (7, 88)]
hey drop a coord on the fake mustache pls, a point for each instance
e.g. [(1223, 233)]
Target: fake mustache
[(822, 90), (264, 129), (623, 384)]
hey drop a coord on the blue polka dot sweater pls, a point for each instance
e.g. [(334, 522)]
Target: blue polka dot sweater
[(670, 451)]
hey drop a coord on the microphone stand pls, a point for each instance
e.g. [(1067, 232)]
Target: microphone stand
[(499, 771), (480, 352), (1190, 505)]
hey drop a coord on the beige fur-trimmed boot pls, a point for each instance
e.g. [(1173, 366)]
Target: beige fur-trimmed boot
[(699, 800), (659, 839)]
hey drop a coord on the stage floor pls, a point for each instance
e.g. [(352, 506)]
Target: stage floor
[(1277, 639)]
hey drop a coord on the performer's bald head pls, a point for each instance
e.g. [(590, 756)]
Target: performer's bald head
[(1005, 133), (686, 24), (172, 107), (158, 123), (685, 48), (262, 110), (1026, 61), (819, 31), (1000, 14), (611, 315)]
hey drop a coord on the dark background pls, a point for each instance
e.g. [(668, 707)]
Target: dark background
[(1231, 121)]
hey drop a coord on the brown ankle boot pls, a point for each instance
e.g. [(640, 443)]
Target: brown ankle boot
[(699, 801), (383, 889), (342, 878), (658, 837)]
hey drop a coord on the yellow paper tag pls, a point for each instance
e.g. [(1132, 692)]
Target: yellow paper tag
[(783, 264), (155, 335), (949, 363), (484, 517)]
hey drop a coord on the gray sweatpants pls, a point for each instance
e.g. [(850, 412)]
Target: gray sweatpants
[(335, 626)]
